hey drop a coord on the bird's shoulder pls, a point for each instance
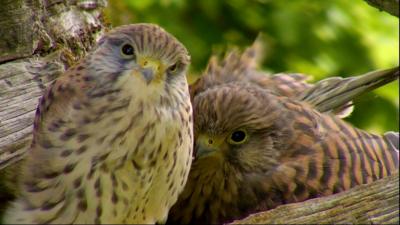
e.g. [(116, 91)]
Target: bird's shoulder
[(59, 96)]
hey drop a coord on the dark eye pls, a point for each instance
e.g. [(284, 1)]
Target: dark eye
[(173, 68), (127, 50), (238, 137)]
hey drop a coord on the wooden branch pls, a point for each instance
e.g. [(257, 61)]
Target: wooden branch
[(38, 41), (389, 6), (374, 203)]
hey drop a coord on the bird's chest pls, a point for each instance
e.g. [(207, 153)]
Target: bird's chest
[(143, 175), (130, 164)]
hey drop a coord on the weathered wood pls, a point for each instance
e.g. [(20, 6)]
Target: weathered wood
[(374, 203), (38, 41)]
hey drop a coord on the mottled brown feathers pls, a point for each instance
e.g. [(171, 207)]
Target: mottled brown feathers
[(236, 67), (293, 153), (295, 148), (152, 39), (112, 140)]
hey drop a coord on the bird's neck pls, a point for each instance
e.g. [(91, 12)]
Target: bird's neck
[(207, 185), (217, 193)]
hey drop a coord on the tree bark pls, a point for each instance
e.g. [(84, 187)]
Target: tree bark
[(39, 40), (375, 203), (389, 6)]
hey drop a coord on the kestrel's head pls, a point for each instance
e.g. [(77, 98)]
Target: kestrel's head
[(140, 57), (240, 132), (241, 126)]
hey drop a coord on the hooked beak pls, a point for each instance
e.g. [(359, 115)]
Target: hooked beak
[(150, 69), (206, 146)]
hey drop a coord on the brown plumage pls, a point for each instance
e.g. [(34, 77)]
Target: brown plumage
[(264, 141), (236, 67), (333, 94), (112, 140)]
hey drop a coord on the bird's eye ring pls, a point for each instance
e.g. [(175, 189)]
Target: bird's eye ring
[(238, 137), (173, 68), (127, 51)]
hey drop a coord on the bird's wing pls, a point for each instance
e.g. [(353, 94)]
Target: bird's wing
[(393, 139), (329, 155), (334, 94), (57, 101)]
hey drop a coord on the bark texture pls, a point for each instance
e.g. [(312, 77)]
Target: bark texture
[(39, 40), (375, 203)]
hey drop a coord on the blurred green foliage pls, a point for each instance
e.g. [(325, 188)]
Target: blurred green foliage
[(320, 38)]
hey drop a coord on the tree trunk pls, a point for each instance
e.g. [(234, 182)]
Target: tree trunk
[(39, 40)]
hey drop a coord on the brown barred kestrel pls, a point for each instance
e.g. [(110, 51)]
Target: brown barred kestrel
[(112, 140), (333, 94), (262, 141)]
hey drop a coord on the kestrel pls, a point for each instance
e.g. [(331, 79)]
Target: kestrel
[(112, 140), (237, 67), (263, 141)]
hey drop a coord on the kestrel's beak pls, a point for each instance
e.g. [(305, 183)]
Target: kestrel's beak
[(151, 69), (207, 146)]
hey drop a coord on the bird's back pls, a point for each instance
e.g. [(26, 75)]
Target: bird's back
[(314, 154), (329, 155)]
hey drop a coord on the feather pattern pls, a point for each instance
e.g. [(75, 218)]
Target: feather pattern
[(296, 146)]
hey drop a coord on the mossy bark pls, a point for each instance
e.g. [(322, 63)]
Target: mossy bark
[(39, 40)]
